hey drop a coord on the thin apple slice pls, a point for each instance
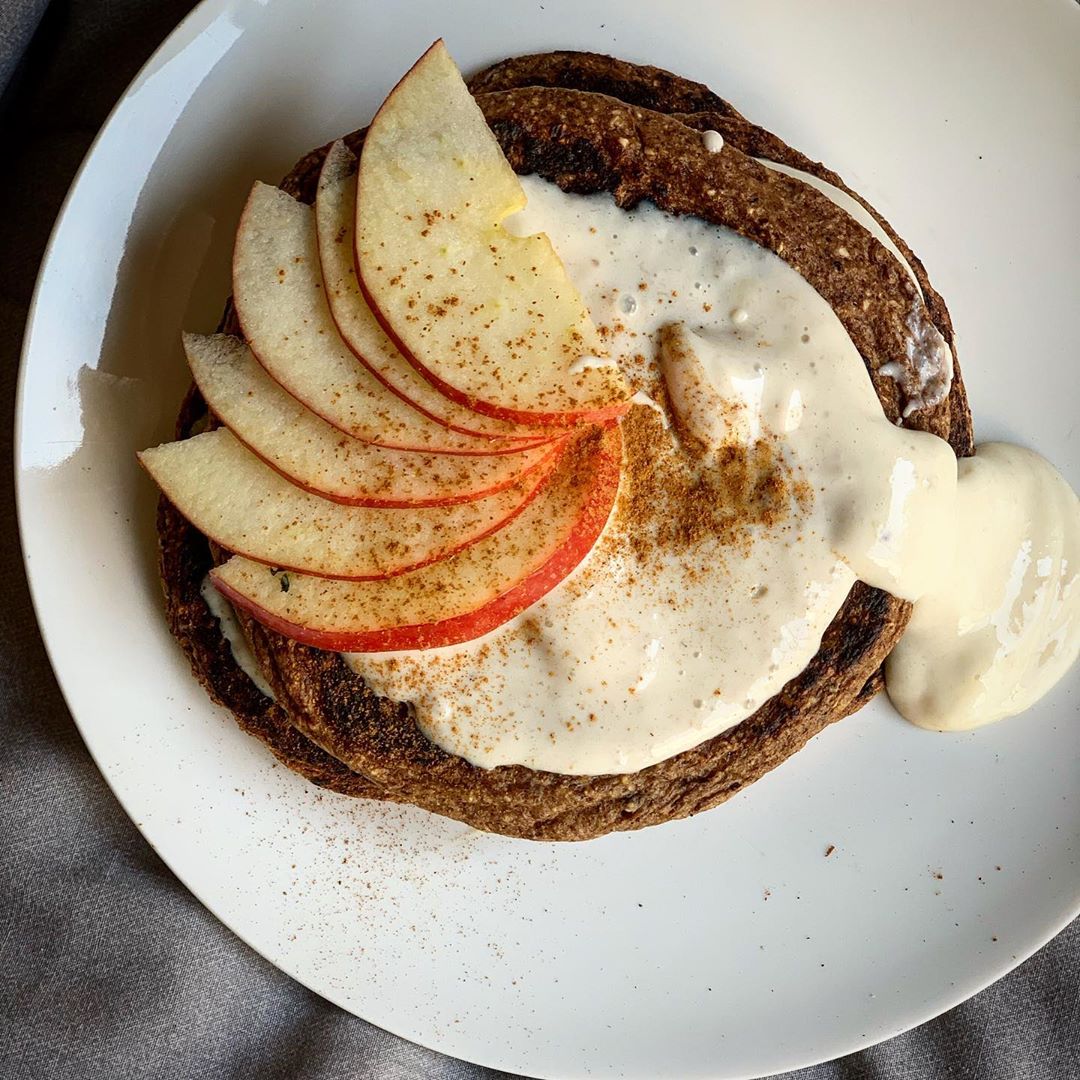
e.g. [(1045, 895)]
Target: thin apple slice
[(491, 319), (335, 205), (457, 599), (290, 438), (281, 303), (242, 504)]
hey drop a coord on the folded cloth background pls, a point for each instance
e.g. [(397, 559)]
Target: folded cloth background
[(108, 967)]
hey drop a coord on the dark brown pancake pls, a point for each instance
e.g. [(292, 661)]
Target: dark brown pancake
[(642, 85), (589, 143)]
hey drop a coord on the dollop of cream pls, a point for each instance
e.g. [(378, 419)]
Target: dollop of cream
[(713, 141), (1003, 625)]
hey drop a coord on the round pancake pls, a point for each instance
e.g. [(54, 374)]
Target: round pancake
[(586, 141)]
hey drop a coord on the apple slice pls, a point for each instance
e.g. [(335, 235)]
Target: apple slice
[(242, 504), (335, 205), (491, 319), (290, 438), (281, 303), (457, 599)]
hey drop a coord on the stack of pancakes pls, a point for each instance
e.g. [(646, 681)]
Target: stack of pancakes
[(591, 123)]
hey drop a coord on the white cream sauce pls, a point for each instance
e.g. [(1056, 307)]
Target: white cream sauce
[(618, 669), (1004, 625), (1004, 628), (881, 492)]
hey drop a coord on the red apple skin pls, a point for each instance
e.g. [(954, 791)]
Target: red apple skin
[(526, 437), (498, 412), (474, 624), (541, 419), (374, 503), (542, 482), (386, 502)]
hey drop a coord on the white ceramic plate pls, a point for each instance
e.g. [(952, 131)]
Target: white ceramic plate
[(725, 946)]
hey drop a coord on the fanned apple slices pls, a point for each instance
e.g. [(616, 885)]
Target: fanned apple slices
[(417, 434), (281, 303), (491, 319), (456, 599), (335, 207), (318, 457), (239, 502)]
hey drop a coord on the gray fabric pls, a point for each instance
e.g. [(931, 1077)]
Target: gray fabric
[(108, 967), (20, 19)]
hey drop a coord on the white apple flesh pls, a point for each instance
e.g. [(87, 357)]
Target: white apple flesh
[(456, 599), (239, 502), (491, 319), (314, 455), (281, 304), (335, 207)]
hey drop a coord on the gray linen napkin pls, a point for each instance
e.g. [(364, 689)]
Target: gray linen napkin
[(108, 967)]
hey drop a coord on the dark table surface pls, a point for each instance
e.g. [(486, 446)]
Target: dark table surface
[(108, 967)]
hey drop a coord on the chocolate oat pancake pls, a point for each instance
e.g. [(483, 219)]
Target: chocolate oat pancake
[(587, 141)]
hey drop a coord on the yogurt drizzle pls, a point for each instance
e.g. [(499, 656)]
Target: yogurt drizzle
[(1003, 625)]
